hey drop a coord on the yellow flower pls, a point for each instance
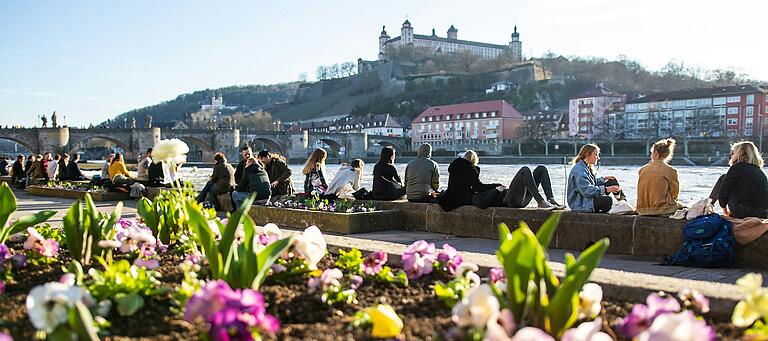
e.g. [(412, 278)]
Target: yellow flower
[(386, 323), (755, 302)]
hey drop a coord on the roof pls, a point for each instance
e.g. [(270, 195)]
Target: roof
[(598, 92), (388, 120), (698, 93), (515, 34), (406, 22), (505, 109), (455, 41), (452, 29)]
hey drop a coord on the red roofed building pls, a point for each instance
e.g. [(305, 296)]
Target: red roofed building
[(486, 122)]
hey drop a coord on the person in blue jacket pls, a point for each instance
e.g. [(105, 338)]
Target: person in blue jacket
[(586, 191)]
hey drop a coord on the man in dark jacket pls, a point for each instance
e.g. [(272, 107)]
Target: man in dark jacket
[(222, 179), (278, 171), (73, 169), (463, 182), (245, 152), (3, 166), (254, 181), (17, 170)]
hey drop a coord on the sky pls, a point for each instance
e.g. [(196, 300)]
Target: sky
[(92, 60)]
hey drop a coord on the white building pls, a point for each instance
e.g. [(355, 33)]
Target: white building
[(451, 43), (499, 86)]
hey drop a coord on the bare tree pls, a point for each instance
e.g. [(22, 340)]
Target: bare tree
[(322, 72), (466, 59), (303, 77)]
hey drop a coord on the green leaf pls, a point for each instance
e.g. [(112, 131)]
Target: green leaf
[(267, 257), (81, 321), (248, 261), (520, 257), (24, 222), (146, 209), (563, 310), (128, 305), (547, 230), (205, 238), (504, 233), (7, 204), (228, 235)]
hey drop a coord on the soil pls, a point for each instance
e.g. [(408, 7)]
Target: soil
[(303, 316)]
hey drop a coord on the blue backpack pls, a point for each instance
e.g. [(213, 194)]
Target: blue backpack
[(707, 243)]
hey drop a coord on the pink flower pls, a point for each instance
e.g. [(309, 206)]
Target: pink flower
[(356, 281), (374, 262), (5, 253), (4, 336), (2, 287), (450, 257), (147, 257), (418, 259), (497, 274), (329, 278), (683, 326), (642, 315), (34, 239), (532, 334), (694, 299)]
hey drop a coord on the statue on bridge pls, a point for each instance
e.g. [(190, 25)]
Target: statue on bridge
[(45, 121), (148, 118), (133, 122), (54, 123)]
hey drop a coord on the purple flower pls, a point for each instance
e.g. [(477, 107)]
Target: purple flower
[(195, 258), (418, 259), (19, 261), (678, 326), (2, 289), (147, 257), (694, 299), (125, 223), (5, 253), (374, 262), (497, 274), (356, 281), (50, 248), (450, 257), (642, 315)]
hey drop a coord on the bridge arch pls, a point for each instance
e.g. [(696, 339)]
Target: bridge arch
[(128, 152), (398, 149), (333, 145), (260, 143), (29, 148)]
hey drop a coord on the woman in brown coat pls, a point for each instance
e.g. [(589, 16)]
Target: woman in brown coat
[(658, 187)]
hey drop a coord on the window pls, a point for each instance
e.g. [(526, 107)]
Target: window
[(733, 110), (718, 111), (458, 116), (423, 119), (493, 114), (733, 99), (430, 118), (747, 133), (732, 121), (718, 101), (750, 110), (477, 115), (748, 124), (750, 99), (448, 117), (485, 114)]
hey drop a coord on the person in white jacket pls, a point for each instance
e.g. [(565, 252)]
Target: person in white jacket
[(347, 180), (53, 167)]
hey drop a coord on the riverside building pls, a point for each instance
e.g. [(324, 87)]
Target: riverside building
[(587, 111), (477, 123)]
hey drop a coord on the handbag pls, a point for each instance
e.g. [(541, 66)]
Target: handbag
[(622, 207)]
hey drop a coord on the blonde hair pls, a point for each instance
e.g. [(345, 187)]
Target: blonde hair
[(664, 148), (471, 156), (584, 152), (746, 151), (317, 158)]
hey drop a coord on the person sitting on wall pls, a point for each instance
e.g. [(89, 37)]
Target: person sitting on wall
[(63, 167), (36, 172), (386, 182), (463, 182), (586, 191), (314, 168), (73, 169), (4, 166), (118, 174), (245, 153), (142, 167), (254, 181), (347, 181), (105, 166), (52, 167), (17, 171), (658, 187), (222, 180), (156, 175), (743, 191), (278, 171), (422, 176)]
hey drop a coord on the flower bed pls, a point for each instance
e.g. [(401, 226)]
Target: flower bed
[(342, 223), (99, 195), (313, 202), (178, 272)]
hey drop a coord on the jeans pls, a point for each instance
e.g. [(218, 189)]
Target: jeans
[(204, 192), (525, 187), (239, 197)]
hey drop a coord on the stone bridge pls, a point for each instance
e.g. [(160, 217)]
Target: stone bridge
[(134, 141)]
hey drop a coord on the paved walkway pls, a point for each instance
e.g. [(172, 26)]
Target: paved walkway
[(28, 204)]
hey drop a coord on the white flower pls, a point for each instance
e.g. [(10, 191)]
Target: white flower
[(587, 331), (682, 326), (469, 270), (172, 151), (590, 299), (311, 246), (272, 231), (48, 304), (214, 226), (478, 307)]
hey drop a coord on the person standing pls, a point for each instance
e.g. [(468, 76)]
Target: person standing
[(386, 182), (422, 176), (278, 171), (658, 187), (245, 153)]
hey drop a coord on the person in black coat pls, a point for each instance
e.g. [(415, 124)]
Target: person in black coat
[(17, 170), (386, 182), (463, 182), (743, 191), (245, 152), (73, 169)]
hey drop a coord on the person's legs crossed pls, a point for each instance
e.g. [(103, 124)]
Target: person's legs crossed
[(602, 203)]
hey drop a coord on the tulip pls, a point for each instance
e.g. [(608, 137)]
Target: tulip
[(590, 299), (311, 246), (385, 322)]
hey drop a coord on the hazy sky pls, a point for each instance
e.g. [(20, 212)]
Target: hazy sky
[(90, 60)]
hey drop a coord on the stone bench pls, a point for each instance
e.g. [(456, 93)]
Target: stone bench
[(340, 223), (638, 236), (73, 194), (5, 178)]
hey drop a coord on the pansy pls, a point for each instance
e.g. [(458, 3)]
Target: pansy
[(642, 315), (48, 304), (418, 259), (694, 299), (329, 278), (532, 334), (450, 258), (374, 262), (311, 246), (478, 307), (385, 322), (590, 298), (682, 326), (587, 331), (5, 253), (270, 234), (497, 275), (147, 257), (755, 302)]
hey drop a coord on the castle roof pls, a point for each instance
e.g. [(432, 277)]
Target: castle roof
[(455, 41), (515, 34), (452, 29)]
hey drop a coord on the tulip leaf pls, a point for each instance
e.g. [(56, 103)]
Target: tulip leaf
[(199, 226), (81, 321), (24, 222), (267, 257), (547, 230), (73, 235), (7, 204), (146, 209), (128, 305)]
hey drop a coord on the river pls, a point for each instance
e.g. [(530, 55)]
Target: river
[(695, 181)]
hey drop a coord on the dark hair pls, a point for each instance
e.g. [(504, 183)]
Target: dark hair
[(356, 164), (65, 156), (149, 150), (246, 147), (75, 156), (219, 157), (387, 153), (118, 157), (20, 157), (57, 157), (263, 153)]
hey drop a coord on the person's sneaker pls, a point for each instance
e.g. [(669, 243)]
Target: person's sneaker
[(545, 205), (557, 206)]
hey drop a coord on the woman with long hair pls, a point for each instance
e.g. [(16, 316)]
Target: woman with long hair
[(464, 182), (386, 182), (743, 191), (278, 171), (658, 187), (314, 180), (588, 192), (118, 173), (347, 180)]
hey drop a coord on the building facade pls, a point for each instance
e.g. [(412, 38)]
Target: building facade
[(586, 111), (733, 111), (488, 122), (450, 43)]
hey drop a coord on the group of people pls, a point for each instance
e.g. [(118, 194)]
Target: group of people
[(37, 169), (741, 192), (263, 175)]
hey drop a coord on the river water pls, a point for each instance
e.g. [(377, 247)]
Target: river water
[(695, 181)]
